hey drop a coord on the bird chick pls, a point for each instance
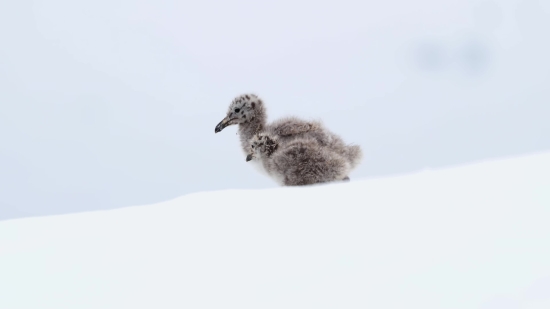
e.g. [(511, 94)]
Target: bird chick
[(299, 162), (249, 112)]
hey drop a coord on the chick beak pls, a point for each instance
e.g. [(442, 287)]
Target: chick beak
[(224, 123), (249, 157)]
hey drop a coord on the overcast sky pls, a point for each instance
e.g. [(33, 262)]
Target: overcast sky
[(108, 104)]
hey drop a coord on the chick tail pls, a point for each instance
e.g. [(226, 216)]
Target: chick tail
[(354, 155)]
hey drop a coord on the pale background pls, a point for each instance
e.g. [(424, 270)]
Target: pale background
[(106, 103)]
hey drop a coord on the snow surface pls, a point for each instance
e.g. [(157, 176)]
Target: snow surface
[(475, 236)]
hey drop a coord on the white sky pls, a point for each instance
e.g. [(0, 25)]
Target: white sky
[(114, 103)]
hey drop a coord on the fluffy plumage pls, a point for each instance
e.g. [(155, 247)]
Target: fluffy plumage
[(249, 112), (302, 161)]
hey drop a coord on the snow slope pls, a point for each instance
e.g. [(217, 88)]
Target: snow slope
[(475, 236)]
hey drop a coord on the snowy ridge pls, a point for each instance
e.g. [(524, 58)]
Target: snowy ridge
[(475, 236)]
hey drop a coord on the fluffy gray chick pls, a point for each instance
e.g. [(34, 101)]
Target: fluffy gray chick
[(302, 161), (249, 112)]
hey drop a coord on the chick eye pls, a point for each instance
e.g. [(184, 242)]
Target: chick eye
[(253, 146), (237, 110)]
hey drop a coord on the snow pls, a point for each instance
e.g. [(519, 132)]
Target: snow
[(474, 236)]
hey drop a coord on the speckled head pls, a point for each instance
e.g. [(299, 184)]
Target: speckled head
[(243, 108), (262, 145)]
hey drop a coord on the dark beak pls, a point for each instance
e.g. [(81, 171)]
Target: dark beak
[(249, 157), (224, 123)]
